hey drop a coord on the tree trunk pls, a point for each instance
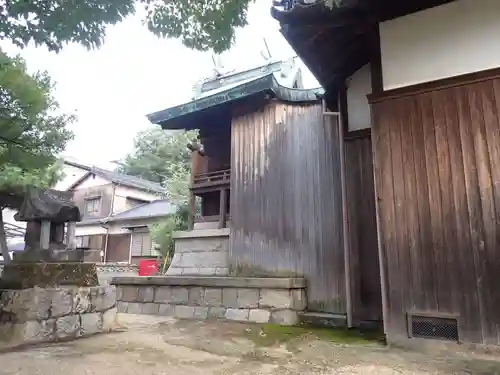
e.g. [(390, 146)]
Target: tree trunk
[(3, 240)]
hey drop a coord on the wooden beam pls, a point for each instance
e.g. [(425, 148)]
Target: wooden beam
[(222, 208), (192, 210)]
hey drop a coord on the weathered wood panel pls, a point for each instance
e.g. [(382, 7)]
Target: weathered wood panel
[(437, 158), (365, 274), (286, 213)]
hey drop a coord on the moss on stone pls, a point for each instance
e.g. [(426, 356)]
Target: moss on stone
[(30, 274)]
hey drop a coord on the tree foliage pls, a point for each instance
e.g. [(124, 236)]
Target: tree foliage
[(32, 132), (162, 156), (162, 234), (200, 24)]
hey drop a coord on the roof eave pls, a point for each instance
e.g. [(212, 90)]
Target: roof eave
[(178, 117)]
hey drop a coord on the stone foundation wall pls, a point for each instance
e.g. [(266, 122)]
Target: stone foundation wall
[(38, 315), (258, 300)]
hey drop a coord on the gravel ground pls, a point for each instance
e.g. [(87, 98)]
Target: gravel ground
[(152, 346)]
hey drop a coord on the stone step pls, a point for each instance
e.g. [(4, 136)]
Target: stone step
[(323, 319), (335, 320)]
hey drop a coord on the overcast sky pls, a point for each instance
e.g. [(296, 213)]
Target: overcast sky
[(135, 73)]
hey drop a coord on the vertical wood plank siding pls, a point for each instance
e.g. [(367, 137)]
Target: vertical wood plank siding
[(285, 199), (365, 274), (437, 168)]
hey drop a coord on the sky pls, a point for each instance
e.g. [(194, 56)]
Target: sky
[(135, 73)]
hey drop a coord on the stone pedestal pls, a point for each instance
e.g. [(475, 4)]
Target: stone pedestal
[(39, 315), (203, 252), (25, 275)]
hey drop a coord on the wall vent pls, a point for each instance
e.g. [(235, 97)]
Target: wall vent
[(433, 327)]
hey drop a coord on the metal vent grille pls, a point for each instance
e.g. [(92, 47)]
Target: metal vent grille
[(431, 327)]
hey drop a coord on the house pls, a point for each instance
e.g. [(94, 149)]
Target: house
[(116, 211), (431, 72)]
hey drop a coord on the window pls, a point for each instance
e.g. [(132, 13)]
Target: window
[(142, 246), (92, 206), (82, 241)]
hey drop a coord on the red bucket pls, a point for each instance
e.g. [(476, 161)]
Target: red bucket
[(148, 267)]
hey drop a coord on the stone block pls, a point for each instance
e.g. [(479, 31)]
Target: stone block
[(201, 312), (259, 316), (81, 300), (35, 331), (213, 297), (229, 297), (109, 320), (179, 295), (129, 293), (184, 312), (134, 308), (277, 299), (176, 260), (62, 302), (195, 295), (239, 315), (90, 323), (122, 307), (190, 271), (216, 313), (150, 308), (19, 306), (206, 271), (207, 244), (163, 294), (103, 298), (285, 317), (247, 298), (165, 309), (204, 259), (68, 326), (299, 299), (174, 271), (146, 294), (222, 271)]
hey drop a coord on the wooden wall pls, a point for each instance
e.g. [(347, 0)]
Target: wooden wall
[(286, 213), (364, 263), (437, 164)]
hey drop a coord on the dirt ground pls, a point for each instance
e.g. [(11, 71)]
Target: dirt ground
[(162, 346)]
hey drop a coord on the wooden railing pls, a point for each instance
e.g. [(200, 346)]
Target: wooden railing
[(217, 177)]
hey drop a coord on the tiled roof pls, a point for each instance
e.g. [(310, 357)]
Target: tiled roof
[(127, 180), (157, 208)]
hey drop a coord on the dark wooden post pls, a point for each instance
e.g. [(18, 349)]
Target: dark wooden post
[(192, 210), (222, 208)]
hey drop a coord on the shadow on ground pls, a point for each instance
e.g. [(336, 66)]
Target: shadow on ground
[(149, 345)]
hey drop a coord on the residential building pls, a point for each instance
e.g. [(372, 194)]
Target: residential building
[(116, 211)]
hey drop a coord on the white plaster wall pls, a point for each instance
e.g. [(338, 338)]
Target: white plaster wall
[(71, 175), (89, 230), (358, 109), (122, 192), (453, 39)]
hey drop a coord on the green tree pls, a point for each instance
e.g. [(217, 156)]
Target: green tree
[(162, 156), (32, 133), (162, 234), (200, 24)]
